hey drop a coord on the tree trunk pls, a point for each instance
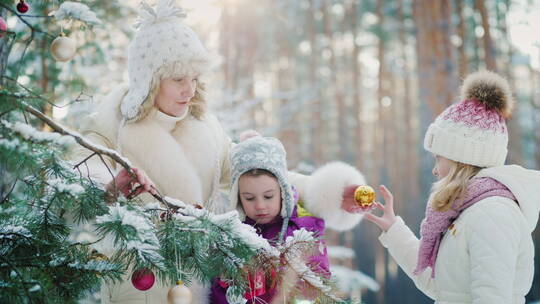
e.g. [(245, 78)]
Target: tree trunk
[(225, 44), (463, 62), (336, 98), (290, 134), (316, 123), (356, 87), (515, 136), (379, 144), (410, 163), (489, 49), (438, 77)]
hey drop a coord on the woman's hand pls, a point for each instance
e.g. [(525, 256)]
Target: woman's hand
[(129, 186), (348, 203), (388, 218), (247, 134)]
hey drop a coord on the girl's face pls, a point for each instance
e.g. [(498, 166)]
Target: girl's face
[(175, 94), (260, 196), (442, 167)]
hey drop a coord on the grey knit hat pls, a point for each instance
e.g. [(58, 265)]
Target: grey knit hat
[(262, 153)]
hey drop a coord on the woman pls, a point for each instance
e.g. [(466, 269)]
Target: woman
[(160, 123)]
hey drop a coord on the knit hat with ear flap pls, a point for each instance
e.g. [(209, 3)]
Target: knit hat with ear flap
[(262, 153), (474, 131), (162, 47)]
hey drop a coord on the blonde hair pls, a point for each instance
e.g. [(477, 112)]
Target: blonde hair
[(452, 187), (197, 105)]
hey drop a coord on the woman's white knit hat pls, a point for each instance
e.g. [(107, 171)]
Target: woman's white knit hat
[(162, 47), (474, 130)]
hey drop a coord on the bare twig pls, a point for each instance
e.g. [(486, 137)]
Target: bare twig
[(78, 138), (36, 95), (108, 169), (9, 192), (87, 243), (89, 145), (24, 52), (84, 160)]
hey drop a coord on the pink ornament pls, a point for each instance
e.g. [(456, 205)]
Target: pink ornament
[(22, 7), (143, 279), (3, 27)]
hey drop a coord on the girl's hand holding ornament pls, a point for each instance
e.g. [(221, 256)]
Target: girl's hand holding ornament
[(388, 218)]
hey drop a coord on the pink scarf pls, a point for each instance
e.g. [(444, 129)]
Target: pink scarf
[(436, 223)]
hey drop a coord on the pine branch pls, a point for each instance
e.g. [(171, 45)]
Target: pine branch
[(99, 150), (39, 97), (19, 275), (78, 138)]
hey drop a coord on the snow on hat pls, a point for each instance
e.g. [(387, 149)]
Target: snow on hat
[(262, 153), (474, 130), (162, 47)]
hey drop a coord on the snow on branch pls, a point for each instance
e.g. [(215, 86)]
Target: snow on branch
[(73, 10), (30, 133), (143, 241), (61, 186), (294, 249)]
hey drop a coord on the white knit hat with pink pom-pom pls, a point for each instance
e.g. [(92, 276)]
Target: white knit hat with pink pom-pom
[(474, 130)]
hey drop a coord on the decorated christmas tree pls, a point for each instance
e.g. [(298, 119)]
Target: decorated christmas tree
[(44, 196)]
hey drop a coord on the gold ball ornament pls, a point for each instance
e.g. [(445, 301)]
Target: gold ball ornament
[(179, 294), (364, 196), (99, 257), (63, 48)]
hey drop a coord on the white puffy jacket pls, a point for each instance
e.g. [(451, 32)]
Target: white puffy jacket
[(488, 255)]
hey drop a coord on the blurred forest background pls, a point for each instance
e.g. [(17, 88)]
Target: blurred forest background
[(357, 81)]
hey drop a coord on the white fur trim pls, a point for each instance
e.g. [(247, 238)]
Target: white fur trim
[(199, 292), (149, 146), (324, 191)]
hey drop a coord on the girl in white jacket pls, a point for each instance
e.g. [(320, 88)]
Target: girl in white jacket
[(476, 244)]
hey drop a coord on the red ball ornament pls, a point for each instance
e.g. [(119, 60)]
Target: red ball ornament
[(3, 27), (22, 7), (143, 279), (257, 286)]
